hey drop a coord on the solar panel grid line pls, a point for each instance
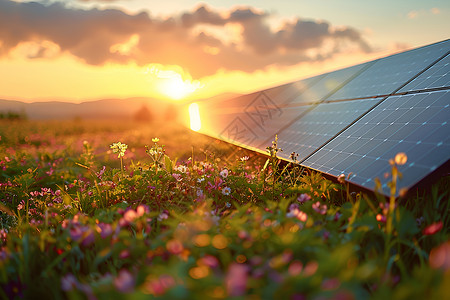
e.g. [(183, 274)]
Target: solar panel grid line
[(319, 125), (343, 129), (425, 154), (362, 69), (387, 75), (292, 97), (437, 76), (384, 98)]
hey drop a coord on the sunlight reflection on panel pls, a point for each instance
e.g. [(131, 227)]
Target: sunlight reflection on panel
[(194, 116)]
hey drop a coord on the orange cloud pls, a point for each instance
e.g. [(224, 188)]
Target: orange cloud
[(111, 35)]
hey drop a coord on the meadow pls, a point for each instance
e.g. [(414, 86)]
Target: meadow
[(127, 210)]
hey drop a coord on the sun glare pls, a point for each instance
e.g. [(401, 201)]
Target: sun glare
[(172, 84), (194, 116)]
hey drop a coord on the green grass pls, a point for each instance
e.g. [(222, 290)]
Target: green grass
[(196, 219)]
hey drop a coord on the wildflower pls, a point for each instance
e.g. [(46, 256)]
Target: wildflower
[(68, 282), (163, 216), (400, 158), (381, 218), (124, 281), (341, 178), (200, 194), (226, 191), (440, 257), (155, 140), (244, 158), (104, 229), (236, 279), (303, 198), (177, 176), (21, 205), (420, 220), (295, 212), (228, 205), (321, 209), (119, 148), (433, 228), (293, 156), (182, 169), (224, 173)]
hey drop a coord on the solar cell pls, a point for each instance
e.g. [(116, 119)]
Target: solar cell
[(320, 124), (416, 124), (437, 76), (389, 74)]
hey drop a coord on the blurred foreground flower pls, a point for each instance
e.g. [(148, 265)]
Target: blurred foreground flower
[(124, 281), (440, 257), (236, 280), (433, 228), (401, 158)]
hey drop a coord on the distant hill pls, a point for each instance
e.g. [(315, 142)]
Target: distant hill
[(98, 109)]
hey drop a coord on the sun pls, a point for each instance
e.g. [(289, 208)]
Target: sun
[(174, 84), (176, 88)]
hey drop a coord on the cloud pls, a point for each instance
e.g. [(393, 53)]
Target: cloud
[(111, 35), (412, 14), (435, 11)]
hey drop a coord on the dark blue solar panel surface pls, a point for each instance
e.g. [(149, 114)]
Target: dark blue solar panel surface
[(389, 74), (319, 125), (416, 124), (438, 76)]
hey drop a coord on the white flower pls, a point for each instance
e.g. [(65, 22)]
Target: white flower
[(182, 169), (224, 173), (244, 158), (226, 191)]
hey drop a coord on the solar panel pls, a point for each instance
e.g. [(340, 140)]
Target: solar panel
[(438, 76), (351, 120), (389, 74), (416, 124), (320, 124)]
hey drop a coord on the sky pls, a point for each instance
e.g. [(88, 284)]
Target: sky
[(82, 50)]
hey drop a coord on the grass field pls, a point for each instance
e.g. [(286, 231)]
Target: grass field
[(172, 214)]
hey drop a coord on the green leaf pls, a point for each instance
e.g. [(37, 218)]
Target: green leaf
[(407, 225), (168, 163)]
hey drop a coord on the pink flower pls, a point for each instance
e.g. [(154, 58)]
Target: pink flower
[(295, 212), (177, 176), (236, 279), (321, 209), (440, 257), (433, 228), (224, 173)]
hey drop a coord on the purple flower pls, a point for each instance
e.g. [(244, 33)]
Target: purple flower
[(68, 283), (303, 198), (124, 281)]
